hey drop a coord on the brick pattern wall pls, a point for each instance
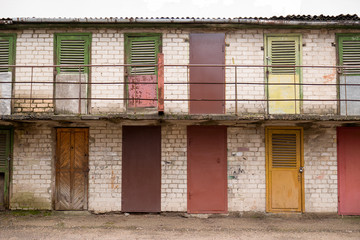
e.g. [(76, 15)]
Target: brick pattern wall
[(246, 168), (244, 48), (107, 49), (35, 47), (105, 156), (320, 164), (174, 168), (32, 168), (176, 51)]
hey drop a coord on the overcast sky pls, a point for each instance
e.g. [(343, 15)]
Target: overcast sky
[(174, 8)]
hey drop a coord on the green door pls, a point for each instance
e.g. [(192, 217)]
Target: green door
[(283, 53), (72, 49), (4, 168)]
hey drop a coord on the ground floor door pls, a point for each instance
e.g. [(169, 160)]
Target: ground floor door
[(4, 168), (141, 169), (349, 170), (72, 167), (284, 169), (207, 169)]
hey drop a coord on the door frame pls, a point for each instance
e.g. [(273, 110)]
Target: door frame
[(54, 195), (9, 174), (266, 70), (226, 202), (224, 71), (267, 158)]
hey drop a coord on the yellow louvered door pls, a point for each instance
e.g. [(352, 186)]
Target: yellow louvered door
[(284, 170), (283, 53)]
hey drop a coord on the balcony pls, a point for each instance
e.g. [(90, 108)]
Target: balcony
[(250, 93)]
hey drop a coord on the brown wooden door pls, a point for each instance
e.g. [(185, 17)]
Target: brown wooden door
[(349, 170), (284, 170), (72, 168), (207, 169), (141, 169), (207, 48)]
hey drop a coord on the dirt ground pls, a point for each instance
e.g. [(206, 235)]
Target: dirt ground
[(83, 225)]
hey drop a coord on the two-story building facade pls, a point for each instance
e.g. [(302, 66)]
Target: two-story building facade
[(180, 114)]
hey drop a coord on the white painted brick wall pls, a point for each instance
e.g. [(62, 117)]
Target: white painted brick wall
[(173, 168), (105, 156), (320, 164), (176, 51), (245, 49), (32, 168), (246, 168)]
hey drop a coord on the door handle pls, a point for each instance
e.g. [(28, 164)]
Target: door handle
[(301, 169)]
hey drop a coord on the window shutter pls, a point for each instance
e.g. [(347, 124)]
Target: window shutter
[(3, 151), (73, 50), (350, 54), (6, 52), (283, 53), (283, 151), (143, 50)]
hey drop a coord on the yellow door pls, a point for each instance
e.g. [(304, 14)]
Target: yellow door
[(284, 169)]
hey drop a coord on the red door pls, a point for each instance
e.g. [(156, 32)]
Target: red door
[(207, 169), (207, 48), (141, 169), (349, 170)]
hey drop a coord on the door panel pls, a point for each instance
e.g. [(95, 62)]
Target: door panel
[(207, 48), (349, 170), (4, 167), (72, 168), (285, 52), (141, 169), (284, 179), (207, 166)]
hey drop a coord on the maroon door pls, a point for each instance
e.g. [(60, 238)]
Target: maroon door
[(349, 170), (207, 175), (141, 169), (207, 48)]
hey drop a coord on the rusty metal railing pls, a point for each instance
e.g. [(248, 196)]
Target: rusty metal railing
[(234, 78)]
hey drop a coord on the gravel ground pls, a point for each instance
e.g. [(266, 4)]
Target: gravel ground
[(82, 225)]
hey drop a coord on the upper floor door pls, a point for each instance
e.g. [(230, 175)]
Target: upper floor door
[(71, 88), (349, 56), (207, 84), (142, 49), (283, 91), (7, 57)]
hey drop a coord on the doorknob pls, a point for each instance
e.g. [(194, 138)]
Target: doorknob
[(301, 169)]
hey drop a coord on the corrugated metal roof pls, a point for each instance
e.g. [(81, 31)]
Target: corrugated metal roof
[(275, 20)]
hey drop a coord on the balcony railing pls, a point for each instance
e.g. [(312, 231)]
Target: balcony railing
[(247, 90)]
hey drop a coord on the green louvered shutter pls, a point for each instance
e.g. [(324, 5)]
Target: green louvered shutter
[(349, 56), (349, 47), (4, 150), (283, 51), (73, 50), (142, 50), (7, 51)]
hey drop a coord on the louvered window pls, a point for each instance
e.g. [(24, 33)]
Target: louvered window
[(283, 53), (73, 50), (142, 50), (284, 150), (7, 57), (350, 54), (3, 157)]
